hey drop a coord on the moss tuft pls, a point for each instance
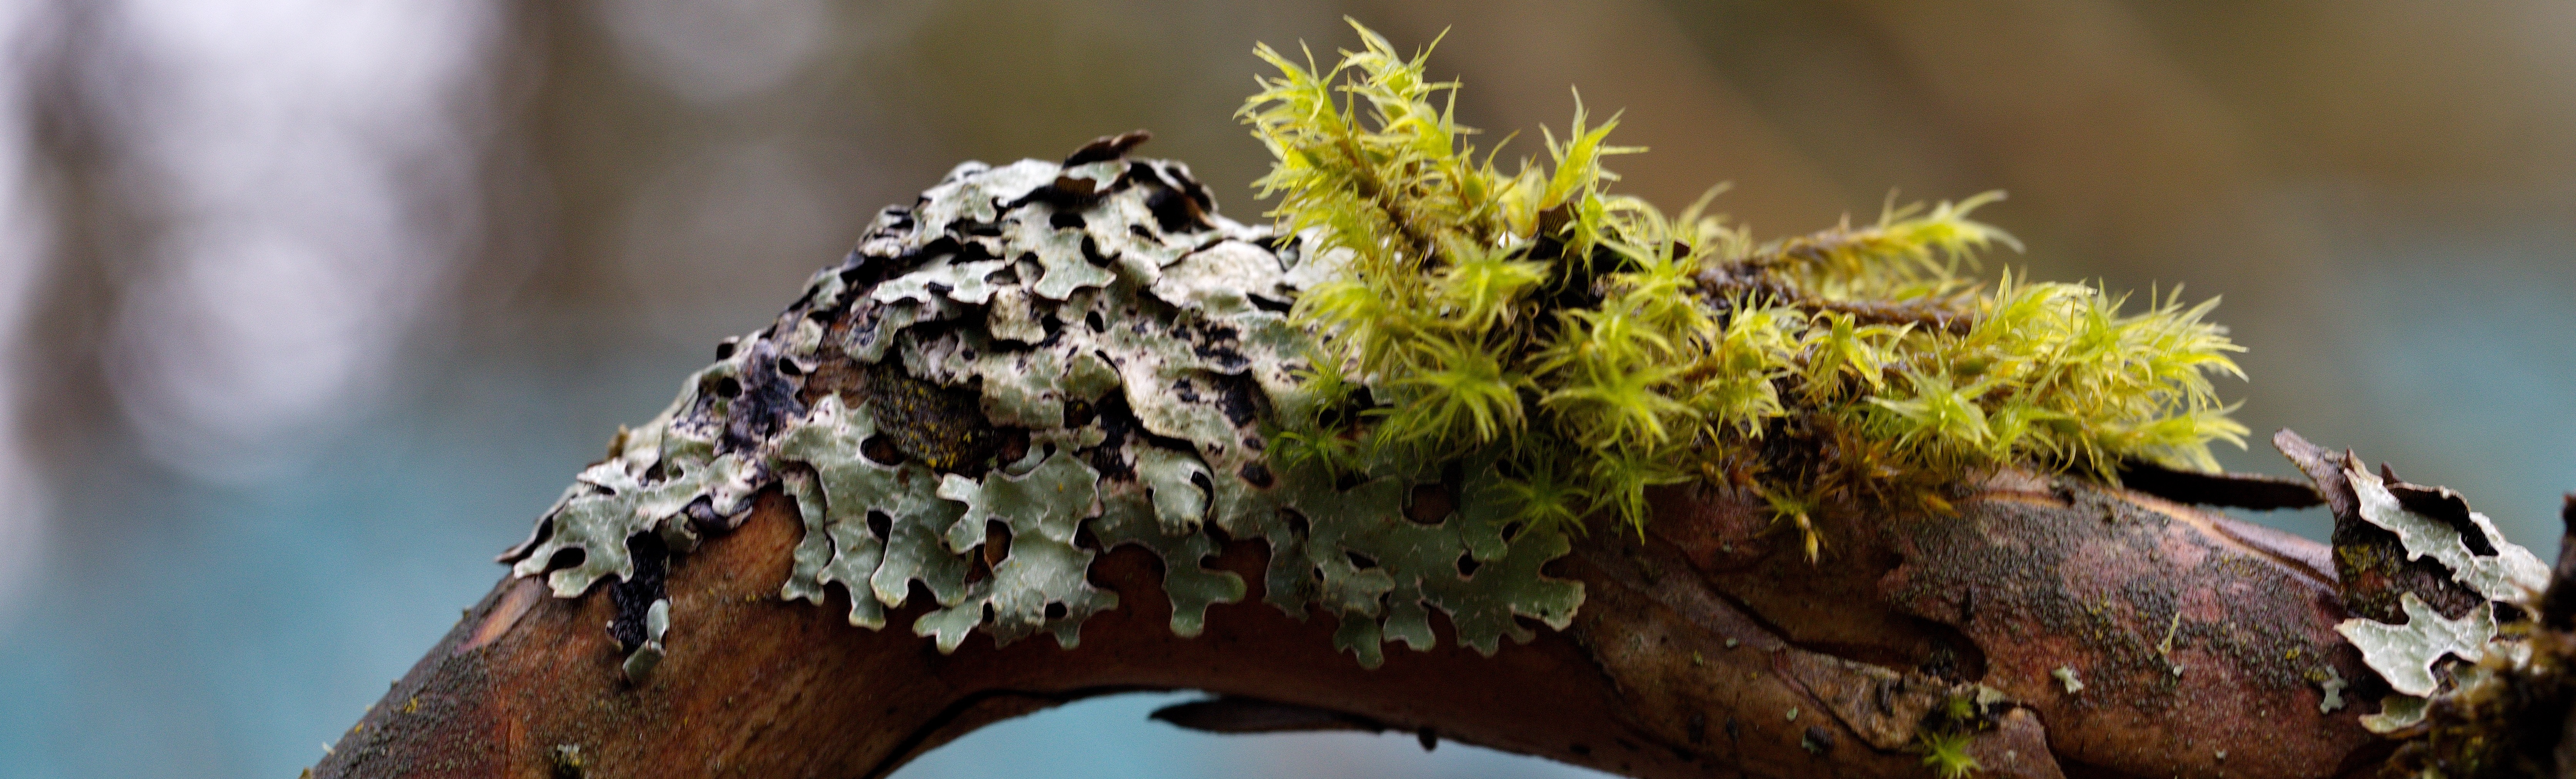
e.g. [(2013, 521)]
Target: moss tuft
[(1607, 348)]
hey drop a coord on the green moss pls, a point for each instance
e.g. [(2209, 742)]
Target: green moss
[(1608, 348), (1943, 737), (1037, 362)]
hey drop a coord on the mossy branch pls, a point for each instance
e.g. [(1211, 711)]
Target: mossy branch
[(1608, 348)]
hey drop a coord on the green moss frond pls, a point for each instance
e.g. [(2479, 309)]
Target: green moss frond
[(1545, 496), (1612, 348), (1479, 289), (1796, 511), (1946, 753), (1318, 431), (1617, 480), (1457, 391), (1908, 254)]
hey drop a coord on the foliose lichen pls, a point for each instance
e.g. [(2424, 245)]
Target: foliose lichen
[(1037, 362), (2424, 657), (1034, 364)]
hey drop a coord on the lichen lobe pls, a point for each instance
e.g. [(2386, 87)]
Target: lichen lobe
[(1049, 360)]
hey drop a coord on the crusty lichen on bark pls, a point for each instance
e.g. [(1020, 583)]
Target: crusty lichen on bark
[(1030, 365)]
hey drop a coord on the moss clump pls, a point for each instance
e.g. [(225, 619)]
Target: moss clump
[(1604, 347), (1943, 737)]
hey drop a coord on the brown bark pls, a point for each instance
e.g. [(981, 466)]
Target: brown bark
[(1706, 648)]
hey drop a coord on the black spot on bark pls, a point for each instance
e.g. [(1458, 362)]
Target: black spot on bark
[(1175, 212), (632, 597), (567, 557), (1257, 475), (1817, 740), (1014, 445), (1239, 396), (756, 403), (1091, 253), (1117, 422)]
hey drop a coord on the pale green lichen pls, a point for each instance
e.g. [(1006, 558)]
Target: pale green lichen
[(650, 477), (2405, 654), (2332, 686), (2429, 657), (1039, 583), (657, 622), (2066, 676), (1127, 518), (1140, 354), (2396, 713), (852, 486), (2512, 575)]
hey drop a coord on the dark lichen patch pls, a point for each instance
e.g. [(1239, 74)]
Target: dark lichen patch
[(633, 597), (762, 400), (942, 427)]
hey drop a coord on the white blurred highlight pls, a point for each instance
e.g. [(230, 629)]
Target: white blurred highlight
[(24, 501), (303, 158)]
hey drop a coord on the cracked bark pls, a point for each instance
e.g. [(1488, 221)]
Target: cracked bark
[(1704, 648)]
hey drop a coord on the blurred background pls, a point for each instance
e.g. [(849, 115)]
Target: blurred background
[(308, 307)]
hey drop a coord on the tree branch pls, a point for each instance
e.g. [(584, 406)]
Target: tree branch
[(1705, 648), (1033, 403)]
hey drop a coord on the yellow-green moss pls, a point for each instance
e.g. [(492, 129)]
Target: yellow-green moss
[(1607, 347)]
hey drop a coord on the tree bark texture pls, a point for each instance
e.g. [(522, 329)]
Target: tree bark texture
[(2084, 630), (1706, 648)]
